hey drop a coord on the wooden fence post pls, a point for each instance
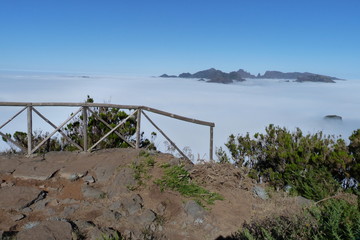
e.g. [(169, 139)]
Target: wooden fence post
[(211, 142), (138, 121), (29, 129), (84, 128)]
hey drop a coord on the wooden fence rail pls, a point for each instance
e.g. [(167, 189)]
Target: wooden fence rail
[(85, 108)]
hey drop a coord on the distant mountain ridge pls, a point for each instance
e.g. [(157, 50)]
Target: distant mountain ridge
[(218, 76)]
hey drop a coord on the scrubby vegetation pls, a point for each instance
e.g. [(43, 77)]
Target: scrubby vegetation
[(334, 219), (314, 166)]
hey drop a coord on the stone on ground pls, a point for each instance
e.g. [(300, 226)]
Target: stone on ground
[(47, 230), (260, 192), (194, 210), (123, 180), (17, 197), (36, 170), (91, 192)]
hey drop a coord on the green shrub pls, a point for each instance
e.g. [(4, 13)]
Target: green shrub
[(279, 228), (333, 219), (314, 164), (315, 184), (354, 148)]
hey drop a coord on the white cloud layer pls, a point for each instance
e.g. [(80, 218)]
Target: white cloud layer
[(236, 108)]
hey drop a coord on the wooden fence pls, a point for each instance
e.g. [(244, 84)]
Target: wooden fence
[(84, 109)]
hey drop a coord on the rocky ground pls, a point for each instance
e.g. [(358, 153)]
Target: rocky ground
[(63, 195)]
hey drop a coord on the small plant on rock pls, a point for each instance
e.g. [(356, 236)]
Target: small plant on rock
[(141, 169), (178, 179), (115, 236)]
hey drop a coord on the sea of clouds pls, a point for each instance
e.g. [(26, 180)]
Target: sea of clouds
[(235, 108)]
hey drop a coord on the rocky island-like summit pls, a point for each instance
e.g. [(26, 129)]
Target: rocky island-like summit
[(218, 76)]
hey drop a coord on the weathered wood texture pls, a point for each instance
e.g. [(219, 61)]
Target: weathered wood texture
[(84, 128), (85, 108), (107, 105), (211, 143), (29, 129), (138, 124)]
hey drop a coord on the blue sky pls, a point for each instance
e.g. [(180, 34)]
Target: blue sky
[(155, 37)]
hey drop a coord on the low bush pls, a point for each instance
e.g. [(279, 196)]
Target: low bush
[(333, 219), (315, 165)]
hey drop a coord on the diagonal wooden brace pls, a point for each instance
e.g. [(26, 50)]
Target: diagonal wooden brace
[(108, 125), (167, 138), (56, 130), (17, 114), (54, 126), (112, 130)]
